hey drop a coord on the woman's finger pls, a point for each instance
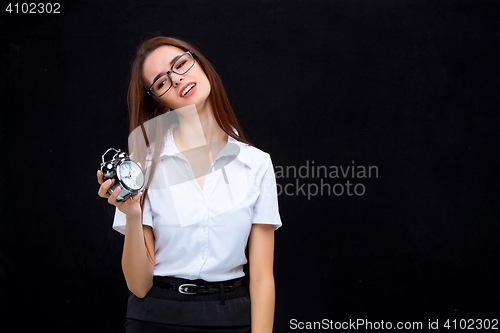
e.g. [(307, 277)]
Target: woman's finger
[(99, 177), (113, 197), (137, 197), (103, 190)]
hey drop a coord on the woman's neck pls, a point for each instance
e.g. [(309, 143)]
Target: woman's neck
[(197, 128)]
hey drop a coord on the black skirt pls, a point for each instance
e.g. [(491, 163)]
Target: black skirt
[(164, 310)]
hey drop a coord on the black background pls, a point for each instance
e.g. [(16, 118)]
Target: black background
[(411, 87)]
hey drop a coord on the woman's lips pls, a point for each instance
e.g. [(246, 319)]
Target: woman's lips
[(188, 89)]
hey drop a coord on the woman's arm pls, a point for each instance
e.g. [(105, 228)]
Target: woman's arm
[(262, 294), (137, 268)]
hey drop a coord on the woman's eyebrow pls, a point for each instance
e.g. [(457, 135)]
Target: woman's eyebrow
[(174, 59), (171, 64)]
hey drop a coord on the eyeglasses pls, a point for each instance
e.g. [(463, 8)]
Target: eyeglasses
[(163, 83)]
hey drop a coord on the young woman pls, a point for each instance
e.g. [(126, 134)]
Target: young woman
[(209, 193)]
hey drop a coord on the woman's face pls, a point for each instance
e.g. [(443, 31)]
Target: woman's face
[(159, 62)]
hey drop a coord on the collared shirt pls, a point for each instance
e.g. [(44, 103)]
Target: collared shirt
[(202, 234)]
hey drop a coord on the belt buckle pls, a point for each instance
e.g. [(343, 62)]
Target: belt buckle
[(186, 285)]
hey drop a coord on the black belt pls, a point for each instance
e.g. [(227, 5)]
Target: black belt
[(192, 289)]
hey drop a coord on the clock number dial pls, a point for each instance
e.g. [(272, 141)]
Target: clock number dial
[(131, 175)]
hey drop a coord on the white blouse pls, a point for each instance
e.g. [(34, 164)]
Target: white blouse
[(202, 234)]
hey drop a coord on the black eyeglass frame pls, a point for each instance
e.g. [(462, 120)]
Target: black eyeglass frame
[(171, 70)]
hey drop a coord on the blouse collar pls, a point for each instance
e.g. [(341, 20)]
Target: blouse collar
[(232, 148)]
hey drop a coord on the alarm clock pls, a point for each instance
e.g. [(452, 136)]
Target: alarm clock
[(125, 172)]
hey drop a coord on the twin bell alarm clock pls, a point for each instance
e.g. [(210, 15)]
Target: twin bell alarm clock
[(125, 172)]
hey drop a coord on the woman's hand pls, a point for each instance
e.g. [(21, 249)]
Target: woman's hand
[(130, 207)]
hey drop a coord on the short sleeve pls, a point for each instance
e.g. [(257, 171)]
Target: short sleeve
[(265, 210), (120, 218)]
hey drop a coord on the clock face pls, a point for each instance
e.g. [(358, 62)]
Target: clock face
[(131, 175)]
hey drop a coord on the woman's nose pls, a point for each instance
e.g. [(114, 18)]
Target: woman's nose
[(176, 79)]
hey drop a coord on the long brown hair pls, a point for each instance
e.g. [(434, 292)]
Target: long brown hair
[(143, 107)]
